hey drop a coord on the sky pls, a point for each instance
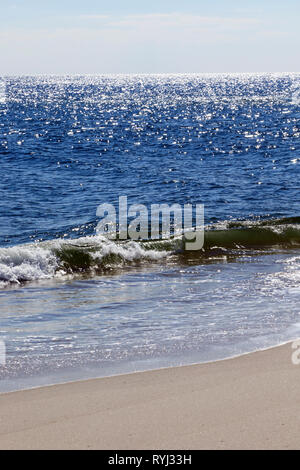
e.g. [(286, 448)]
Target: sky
[(158, 36)]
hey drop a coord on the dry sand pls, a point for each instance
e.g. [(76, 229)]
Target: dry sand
[(250, 402)]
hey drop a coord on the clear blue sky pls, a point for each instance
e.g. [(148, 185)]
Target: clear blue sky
[(130, 36)]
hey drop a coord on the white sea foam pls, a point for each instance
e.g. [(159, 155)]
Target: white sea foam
[(26, 263), (92, 254), (45, 260), (129, 251)]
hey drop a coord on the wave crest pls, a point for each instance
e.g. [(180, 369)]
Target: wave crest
[(97, 254), (47, 259)]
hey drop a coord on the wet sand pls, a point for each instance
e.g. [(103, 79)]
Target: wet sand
[(249, 402)]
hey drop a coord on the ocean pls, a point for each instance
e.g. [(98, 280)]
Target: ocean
[(75, 304)]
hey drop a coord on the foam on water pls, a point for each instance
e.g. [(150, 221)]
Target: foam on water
[(148, 317), (95, 254), (58, 257), (19, 264)]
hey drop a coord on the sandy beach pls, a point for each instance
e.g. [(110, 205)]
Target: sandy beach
[(249, 402)]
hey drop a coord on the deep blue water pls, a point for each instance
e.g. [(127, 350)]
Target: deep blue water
[(68, 144)]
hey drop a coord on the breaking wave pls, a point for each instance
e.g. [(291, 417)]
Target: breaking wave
[(46, 260), (97, 254)]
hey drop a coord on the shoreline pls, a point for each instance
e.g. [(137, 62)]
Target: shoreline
[(75, 380), (249, 401)]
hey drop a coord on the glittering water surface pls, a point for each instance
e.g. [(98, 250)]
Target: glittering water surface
[(68, 144)]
